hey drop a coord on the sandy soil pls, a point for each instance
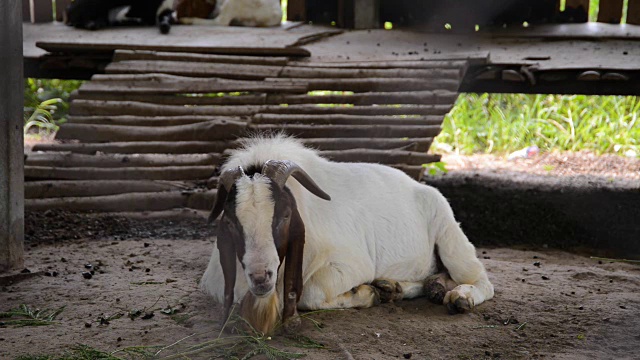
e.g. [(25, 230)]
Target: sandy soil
[(568, 307)]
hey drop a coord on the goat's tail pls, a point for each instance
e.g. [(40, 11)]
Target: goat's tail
[(456, 252)]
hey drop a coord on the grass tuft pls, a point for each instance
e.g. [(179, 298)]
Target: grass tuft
[(25, 315)]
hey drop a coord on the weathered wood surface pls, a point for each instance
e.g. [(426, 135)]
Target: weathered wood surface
[(121, 160), (177, 99), (378, 84), (410, 144), (171, 84), (104, 108), (203, 131), (127, 120), (128, 202), (381, 110), (145, 147), (200, 69), (371, 98), (337, 73), (380, 156), (79, 188), (11, 137), (348, 131), (92, 47), (124, 55), (633, 12), (339, 119), (610, 11), (131, 173), (440, 64)]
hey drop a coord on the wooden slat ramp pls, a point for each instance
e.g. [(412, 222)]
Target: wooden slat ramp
[(150, 133)]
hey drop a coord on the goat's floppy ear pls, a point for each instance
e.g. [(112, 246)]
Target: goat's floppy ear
[(226, 181), (293, 270), (280, 170)]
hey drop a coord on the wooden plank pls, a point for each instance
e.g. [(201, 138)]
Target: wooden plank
[(171, 84), (41, 11), (79, 188), (410, 144), (123, 55), (361, 110), (409, 97), (351, 131), (577, 10), (340, 119), (91, 47), (104, 108), (119, 160), (177, 99), (380, 156), (414, 171), (61, 7), (200, 69), (323, 72), (633, 12), (147, 147), (118, 108), (379, 84), (610, 11), (132, 173), (403, 64), (128, 120), (297, 10), (11, 137), (132, 202), (205, 131)]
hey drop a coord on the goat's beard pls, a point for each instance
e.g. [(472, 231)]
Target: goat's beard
[(262, 313)]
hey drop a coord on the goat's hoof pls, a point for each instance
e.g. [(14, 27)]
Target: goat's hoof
[(435, 289), (389, 290), (291, 325), (459, 300)]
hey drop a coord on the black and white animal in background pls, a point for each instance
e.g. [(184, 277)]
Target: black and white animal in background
[(98, 14), (253, 13), (302, 232)]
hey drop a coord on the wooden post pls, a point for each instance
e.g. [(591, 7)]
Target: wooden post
[(610, 11), (41, 11), (11, 137), (633, 12), (297, 10), (577, 10)]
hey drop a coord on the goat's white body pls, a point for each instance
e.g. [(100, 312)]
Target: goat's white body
[(380, 223), (255, 13)]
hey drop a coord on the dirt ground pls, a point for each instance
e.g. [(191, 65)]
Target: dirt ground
[(548, 303), (566, 307)]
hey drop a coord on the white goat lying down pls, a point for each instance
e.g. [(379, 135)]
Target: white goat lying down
[(256, 13), (351, 235)]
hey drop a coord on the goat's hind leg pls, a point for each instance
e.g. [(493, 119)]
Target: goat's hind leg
[(459, 258)]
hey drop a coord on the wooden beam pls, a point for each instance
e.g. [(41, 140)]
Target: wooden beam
[(297, 10), (11, 137), (610, 11), (633, 12), (41, 11), (577, 10)]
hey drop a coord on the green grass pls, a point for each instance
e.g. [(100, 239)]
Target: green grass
[(502, 123), (25, 315), (46, 103)]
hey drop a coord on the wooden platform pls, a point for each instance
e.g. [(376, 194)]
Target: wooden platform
[(150, 128), (149, 134)]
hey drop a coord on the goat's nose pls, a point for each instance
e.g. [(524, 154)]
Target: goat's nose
[(261, 277)]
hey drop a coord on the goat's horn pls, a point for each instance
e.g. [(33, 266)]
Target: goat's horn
[(225, 183), (280, 170)]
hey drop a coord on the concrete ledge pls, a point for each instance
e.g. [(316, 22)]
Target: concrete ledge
[(585, 213)]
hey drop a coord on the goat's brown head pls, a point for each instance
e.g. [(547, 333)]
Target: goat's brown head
[(261, 226)]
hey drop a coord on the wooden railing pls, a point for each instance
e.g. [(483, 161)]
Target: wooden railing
[(41, 11), (465, 15)]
